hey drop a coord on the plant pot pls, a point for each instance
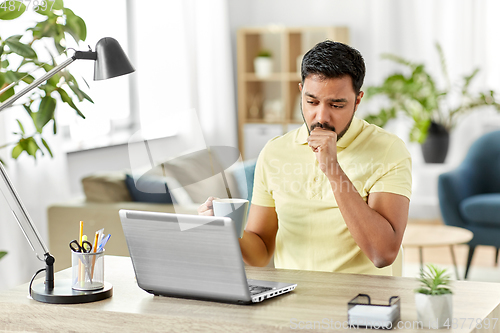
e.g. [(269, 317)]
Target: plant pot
[(434, 311), (435, 147), (263, 66)]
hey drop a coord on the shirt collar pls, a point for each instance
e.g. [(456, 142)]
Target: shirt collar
[(349, 136)]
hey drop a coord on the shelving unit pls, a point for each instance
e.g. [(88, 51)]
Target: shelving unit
[(269, 106)]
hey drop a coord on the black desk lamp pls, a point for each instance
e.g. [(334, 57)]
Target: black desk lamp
[(110, 61)]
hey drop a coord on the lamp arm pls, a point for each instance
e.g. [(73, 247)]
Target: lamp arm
[(36, 83)]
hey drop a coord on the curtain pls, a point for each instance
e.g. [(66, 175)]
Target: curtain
[(186, 63)]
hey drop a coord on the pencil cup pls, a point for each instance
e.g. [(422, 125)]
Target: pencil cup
[(87, 270)]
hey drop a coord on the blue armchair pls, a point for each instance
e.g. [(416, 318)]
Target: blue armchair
[(469, 196)]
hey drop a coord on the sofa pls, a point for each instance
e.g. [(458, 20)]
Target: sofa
[(179, 185)]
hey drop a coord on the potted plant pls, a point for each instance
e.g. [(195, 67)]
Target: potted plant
[(433, 300), (18, 59), (2, 254), (434, 111), (263, 64)]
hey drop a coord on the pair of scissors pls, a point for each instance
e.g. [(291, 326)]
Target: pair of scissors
[(86, 247)]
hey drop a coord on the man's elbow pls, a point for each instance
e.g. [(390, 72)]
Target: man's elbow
[(384, 260), (257, 261)]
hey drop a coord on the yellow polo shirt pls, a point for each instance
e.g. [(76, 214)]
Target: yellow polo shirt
[(312, 234)]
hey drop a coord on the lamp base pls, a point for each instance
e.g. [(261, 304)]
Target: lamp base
[(64, 294)]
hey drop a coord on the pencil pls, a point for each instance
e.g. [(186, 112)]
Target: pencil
[(81, 275), (81, 233), (94, 250)]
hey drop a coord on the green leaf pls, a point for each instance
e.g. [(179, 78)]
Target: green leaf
[(45, 112), (28, 109), (16, 38), (8, 13), (2, 254), (58, 38), (28, 79), (6, 94), (1, 49), (435, 281), (398, 60), (51, 6), (54, 128), (11, 76), (444, 67), (47, 147), (28, 145), (19, 48), (17, 150), (31, 146), (44, 29), (21, 126), (75, 26), (58, 5), (78, 92), (66, 99), (467, 80)]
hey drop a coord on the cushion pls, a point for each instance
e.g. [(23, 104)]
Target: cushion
[(106, 187), (199, 174), (149, 189), (243, 174), (482, 209), (178, 193)]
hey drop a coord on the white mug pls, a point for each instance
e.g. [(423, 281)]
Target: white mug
[(236, 209)]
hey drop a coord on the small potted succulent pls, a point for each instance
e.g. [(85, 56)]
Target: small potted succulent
[(433, 299), (263, 64)]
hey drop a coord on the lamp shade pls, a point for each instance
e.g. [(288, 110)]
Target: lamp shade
[(111, 60)]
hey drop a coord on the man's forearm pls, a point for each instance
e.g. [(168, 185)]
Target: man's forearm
[(373, 233), (254, 250)]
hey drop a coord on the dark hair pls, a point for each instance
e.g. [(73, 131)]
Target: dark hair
[(334, 60)]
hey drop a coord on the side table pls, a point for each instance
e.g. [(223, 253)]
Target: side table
[(425, 235)]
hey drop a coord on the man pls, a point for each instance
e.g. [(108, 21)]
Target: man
[(336, 199)]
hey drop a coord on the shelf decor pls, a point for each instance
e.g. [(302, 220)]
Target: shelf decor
[(263, 64), (268, 80)]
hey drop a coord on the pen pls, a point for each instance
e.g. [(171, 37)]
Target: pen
[(101, 235), (103, 243)]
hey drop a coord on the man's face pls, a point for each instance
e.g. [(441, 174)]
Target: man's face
[(329, 103)]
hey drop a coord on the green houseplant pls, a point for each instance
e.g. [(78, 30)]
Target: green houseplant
[(2, 254), (434, 111), (433, 299), (18, 58), (263, 64)]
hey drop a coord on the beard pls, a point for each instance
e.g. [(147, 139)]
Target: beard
[(332, 128)]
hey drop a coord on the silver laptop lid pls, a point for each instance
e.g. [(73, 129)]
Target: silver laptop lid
[(203, 261)]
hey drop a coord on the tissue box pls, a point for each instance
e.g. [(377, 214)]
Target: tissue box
[(361, 313)]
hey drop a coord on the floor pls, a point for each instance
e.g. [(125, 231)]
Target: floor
[(483, 267)]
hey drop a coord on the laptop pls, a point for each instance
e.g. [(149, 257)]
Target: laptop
[(201, 262)]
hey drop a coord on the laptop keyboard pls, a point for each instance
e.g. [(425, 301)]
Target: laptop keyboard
[(257, 289)]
